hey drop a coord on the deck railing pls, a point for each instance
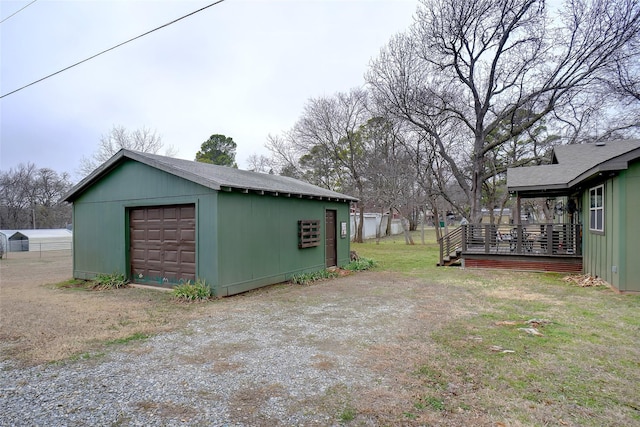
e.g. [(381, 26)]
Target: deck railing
[(529, 239)]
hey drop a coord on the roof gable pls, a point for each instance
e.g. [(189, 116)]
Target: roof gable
[(220, 178), (572, 165)]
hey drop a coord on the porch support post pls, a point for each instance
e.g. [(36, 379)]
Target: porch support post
[(487, 238), (464, 237), (549, 243), (518, 210)]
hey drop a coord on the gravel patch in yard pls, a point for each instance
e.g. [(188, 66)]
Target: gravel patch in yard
[(294, 356)]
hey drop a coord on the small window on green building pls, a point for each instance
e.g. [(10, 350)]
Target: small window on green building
[(308, 233), (596, 209)]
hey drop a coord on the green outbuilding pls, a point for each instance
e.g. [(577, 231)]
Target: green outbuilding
[(164, 221)]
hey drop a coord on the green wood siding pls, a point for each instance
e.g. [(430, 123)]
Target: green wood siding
[(630, 281), (612, 255), (243, 240), (258, 239), (100, 219)]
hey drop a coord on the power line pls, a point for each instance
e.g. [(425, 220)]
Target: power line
[(112, 48), (18, 11)]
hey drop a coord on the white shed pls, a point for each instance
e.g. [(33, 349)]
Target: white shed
[(36, 240)]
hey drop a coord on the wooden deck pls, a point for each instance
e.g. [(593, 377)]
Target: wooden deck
[(539, 247)]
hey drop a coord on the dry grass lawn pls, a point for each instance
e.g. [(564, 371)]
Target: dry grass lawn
[(460, 356), (43, 323)]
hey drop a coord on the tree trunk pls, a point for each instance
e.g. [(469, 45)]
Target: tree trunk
[(436, 219), (387, 232), (424, 218), (476, 185), (379, 230), (359, 238), (406, 229)]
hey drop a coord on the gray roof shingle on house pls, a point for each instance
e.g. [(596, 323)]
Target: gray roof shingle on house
[(216, 177), (573, 164)]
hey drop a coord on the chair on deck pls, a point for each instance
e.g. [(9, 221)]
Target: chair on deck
[(502, 238)]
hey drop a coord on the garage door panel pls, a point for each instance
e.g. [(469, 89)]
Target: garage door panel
[(170, 234), (137, 215), (153, 273), (154, 255), (170, 256), (154, 235), (188, 235), (154, 214), (188, 257), (162, 243), (137, 235), (188, 211), (138, 254), (170, 213)]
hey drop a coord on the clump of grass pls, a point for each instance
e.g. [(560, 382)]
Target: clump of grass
[(191, 292), (434, 403), (78, 284), (360, 264), (103, 282), (307, 278), (138, 336), (347, 414)]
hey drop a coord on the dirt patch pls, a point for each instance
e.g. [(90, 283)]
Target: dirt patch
[(58, 322), (42, 323)]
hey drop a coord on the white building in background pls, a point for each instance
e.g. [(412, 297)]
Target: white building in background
[(371, 224), (36, 240)]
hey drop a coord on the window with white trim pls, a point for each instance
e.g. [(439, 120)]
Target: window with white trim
[(596, 208)]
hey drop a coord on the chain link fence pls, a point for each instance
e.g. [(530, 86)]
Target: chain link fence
[(38, 250)]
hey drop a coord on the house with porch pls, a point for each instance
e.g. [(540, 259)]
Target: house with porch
[(599, 187)]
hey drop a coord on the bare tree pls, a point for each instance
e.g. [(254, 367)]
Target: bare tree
[(17, 193), (143, 140), (329, 132), (469, 68), (31, 198), (389, 171), (285, 154), (260, 163)]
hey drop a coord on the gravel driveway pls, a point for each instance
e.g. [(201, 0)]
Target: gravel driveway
[(289, 355)]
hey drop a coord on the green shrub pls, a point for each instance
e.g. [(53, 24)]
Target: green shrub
[(104, 282), (360, 264), (307, 278), (198, 291)]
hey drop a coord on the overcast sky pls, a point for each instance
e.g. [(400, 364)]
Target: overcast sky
[(243, 68)]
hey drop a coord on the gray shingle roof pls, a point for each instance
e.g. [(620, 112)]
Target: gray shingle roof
[(212, 176), (573, 164)]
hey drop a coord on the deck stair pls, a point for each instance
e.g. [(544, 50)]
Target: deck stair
[(450, 248)]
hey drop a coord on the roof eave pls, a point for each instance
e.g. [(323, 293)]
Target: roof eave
[(332, 198), (609, 167), (540, 190)]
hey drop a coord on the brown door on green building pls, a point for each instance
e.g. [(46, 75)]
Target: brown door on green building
[(163, 244), (330, 238)]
